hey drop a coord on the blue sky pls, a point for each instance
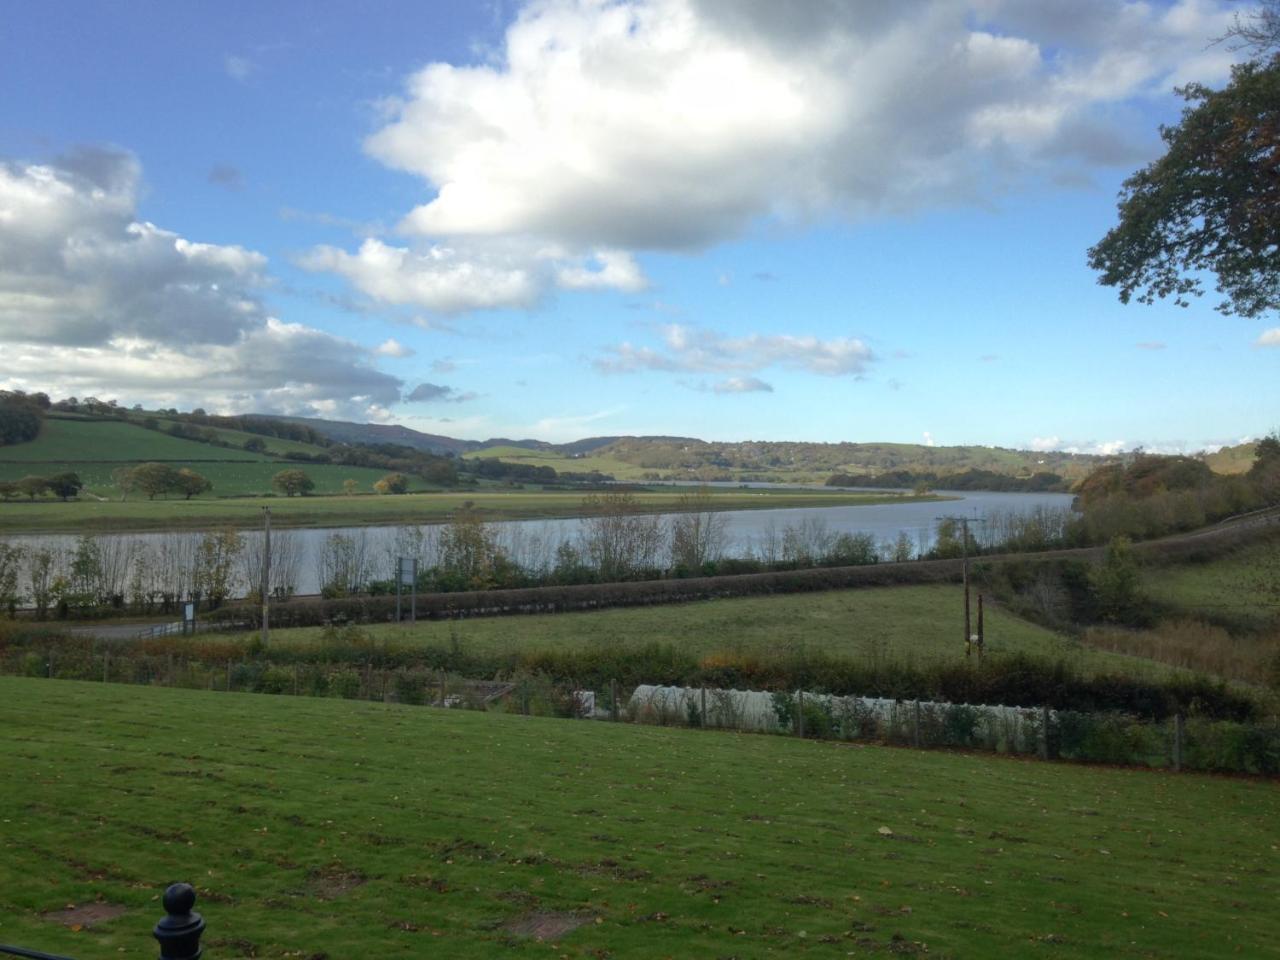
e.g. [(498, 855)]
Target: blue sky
[(852, 221)]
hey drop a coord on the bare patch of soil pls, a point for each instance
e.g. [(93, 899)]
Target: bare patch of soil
[(85, 915), (333, 882), (546, 924)]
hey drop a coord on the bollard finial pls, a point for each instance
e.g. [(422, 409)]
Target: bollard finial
[(180, 931)]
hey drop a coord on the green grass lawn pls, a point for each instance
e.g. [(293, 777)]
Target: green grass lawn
[(331, 511), (63, 442), (898, 624), (327, 828), (276, 446)]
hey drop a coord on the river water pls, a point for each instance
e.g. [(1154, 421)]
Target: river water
[(533, 542)]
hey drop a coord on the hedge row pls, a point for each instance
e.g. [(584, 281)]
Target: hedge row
[(1021, 681)]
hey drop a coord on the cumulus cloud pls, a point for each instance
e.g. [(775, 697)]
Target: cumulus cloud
[(672, 123), (742, 385), (92, 300), (1098, 447), (1268, 338), (440, 278), (644, 125), (606, 269), (435, 392), (392, 347), (687, 348)]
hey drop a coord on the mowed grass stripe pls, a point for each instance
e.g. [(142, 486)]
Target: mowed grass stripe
[(353, 829)]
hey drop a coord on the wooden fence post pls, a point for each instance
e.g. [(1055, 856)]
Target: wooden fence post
[(1177, 742), (915, 726), (1044, 732), (613, 698), (800, 714), (106, 662), (703, 714)]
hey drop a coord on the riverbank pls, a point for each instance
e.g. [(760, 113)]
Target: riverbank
[(142, 516)]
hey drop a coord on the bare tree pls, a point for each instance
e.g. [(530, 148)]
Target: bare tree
[(1257, 32), (698, 533), (617, 538), (344, 563)]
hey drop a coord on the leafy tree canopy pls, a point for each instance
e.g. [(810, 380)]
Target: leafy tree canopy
[(1211, 203), (293, 482)]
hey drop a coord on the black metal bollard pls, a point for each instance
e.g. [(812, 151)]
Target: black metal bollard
[(179, 932)]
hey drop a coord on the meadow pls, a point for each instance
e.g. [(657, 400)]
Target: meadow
[(619, 469), (336, 511), (903, 624), (331, 828), (78, 441)]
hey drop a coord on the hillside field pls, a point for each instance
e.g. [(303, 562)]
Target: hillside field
[(330, 828), (63, 441)]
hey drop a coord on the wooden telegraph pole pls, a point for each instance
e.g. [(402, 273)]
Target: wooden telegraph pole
[(964, 574), (266, 573)]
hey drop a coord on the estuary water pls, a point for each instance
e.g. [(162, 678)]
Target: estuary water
[(533, 543)]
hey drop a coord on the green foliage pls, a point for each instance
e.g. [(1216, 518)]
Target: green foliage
[(392, 483), (1117, 585), (293, 483), (1209, 205), (21, 416)]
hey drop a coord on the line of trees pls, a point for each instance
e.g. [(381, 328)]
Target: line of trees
[(61, 485), (156, 479), (155, 574)]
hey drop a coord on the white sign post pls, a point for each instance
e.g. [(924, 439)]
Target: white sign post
[(407, 576)]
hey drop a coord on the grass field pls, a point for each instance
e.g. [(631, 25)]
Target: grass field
[(620, 469), (1242, 587), (895, 624), (230, 479), (276, 446), (334, 511), (342, 829), (83, 441)]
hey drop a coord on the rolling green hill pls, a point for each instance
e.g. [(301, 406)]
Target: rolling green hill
[(79, 440), (95, 448)]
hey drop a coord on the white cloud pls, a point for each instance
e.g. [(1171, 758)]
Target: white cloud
[(687, 348), (1044, 444), (607, 269), (440, 278), (660, 124), (93, 301), (1268, 338), (392, 347), (928, 440), (642, 125), (742, 385)]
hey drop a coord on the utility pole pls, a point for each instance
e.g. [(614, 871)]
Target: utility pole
[(266, 573), (964, 574)]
